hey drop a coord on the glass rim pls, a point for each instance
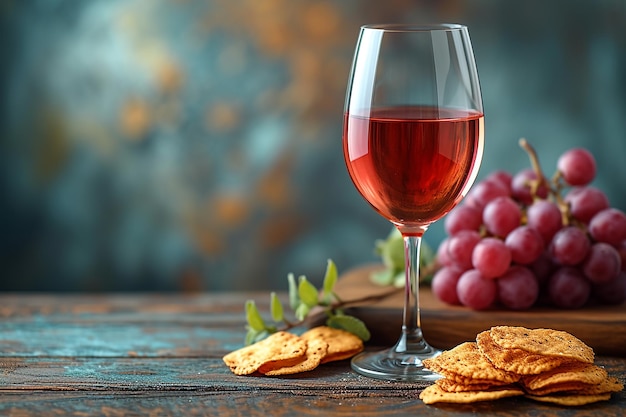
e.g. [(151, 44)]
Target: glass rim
[(414, 27)]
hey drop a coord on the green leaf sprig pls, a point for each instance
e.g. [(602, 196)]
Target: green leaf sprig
[(391, 253), (307, 302)]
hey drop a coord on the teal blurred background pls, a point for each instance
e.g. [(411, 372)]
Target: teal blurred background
[(195, 145)]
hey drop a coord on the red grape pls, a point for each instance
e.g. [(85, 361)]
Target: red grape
[(543, 267), (486, 191), (545, 217), (491, 257), (443, 256), (621, 249), (577, 166), (609, 225), (463, 217), (502, 176), (612, 292), (525, 244), (476, 292), (444, 284), (501, 216), (602, 264), (520, 186), (522, 240), (569, 246), (518, 288), (461, 246), (568, 288), (585, 202)]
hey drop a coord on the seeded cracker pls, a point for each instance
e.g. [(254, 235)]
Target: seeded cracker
[(341, 344), (451, 385), (315, 351), (435, 394), (515, 360), (279, 349), (567, 377), (570, 400), (607, 386), (467, 361), (546, 342), (571, 372)]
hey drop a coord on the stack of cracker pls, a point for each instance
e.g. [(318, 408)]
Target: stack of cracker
[(541, 364), (284, 353)]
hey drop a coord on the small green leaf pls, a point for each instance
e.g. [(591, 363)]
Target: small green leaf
[(294, 298), (427, 257), (302, 311), (253, 317), (276, 307), (392, 252), (307, 292), (254, 336), (330, 278), (399, 279), (383, 276), (250, 336), (350, 324)]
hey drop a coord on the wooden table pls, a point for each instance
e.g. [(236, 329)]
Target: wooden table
[(156, 355)]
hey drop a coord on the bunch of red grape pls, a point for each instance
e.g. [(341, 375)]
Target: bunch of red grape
[(522, 240)]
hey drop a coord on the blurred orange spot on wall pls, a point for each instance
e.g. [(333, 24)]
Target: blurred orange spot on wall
[(321, 20), (135, 119), (229, 210), (280, 230), (191, 281), (53, 150), (222, 116), (274, 187), (208, 242), (169, 77)]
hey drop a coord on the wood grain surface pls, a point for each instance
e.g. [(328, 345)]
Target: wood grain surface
[(160, 355), (444, 326)]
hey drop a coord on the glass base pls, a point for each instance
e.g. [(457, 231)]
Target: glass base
[(396, 366)]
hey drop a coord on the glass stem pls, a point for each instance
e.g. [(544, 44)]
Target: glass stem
[(411, 340)]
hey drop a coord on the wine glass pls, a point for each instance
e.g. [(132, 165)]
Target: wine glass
[(413, 141)]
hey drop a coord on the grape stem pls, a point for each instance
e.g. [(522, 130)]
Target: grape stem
[(316, 313), (554, 187), (534, 161)]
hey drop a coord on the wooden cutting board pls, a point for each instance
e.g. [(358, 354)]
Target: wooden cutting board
[(444, 326)]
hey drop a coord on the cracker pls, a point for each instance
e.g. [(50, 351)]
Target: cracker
[(460, 379), (547, 342), (451, 385), (466, 360), (277, 350), (562, 388), (513, 359), (341, 344), (570, 400), (316, 350), (607, 386), (435, 394), (610, 384), (580, 372)]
